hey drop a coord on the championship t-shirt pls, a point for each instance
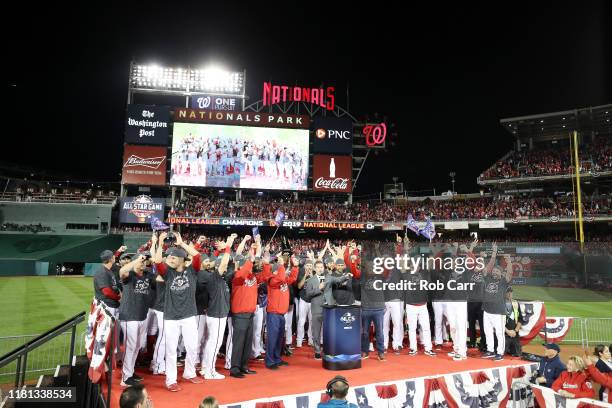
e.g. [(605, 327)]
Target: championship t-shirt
[(105, 278), (495, 295), (136, 296), (179, 302)]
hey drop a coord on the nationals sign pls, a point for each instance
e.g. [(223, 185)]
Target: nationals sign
[(145, 165), (332, 173), (323, 97)]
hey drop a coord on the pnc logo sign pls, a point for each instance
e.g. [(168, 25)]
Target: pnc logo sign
[(333, 135)]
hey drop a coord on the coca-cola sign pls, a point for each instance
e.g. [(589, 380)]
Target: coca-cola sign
[(332, 173), (144, 165), (334, 184)]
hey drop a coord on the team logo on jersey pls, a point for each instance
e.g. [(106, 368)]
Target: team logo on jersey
[(492, 287), (142, 287), (477, 277), (250, 282), (179, 283), (284, 287), (347, 318)]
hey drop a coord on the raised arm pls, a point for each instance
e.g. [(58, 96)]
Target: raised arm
[(509, 270), (242, 244), (157, 244), (188, 248), (226, 255), (124, 272), (491, 263)]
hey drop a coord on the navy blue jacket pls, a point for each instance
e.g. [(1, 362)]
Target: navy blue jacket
[(551, 369)]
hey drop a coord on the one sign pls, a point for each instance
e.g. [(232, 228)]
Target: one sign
[(332, 135), (332, 173), (145, 165), (140, 209), (214, 102), (323, 97), (242, 118), (146, 124)]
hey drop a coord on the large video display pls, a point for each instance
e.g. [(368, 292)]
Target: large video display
[(206, 155)]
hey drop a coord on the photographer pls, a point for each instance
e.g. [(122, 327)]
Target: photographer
[(337, 390)]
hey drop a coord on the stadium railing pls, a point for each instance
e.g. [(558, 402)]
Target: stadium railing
[(23, 353), (44, 359)]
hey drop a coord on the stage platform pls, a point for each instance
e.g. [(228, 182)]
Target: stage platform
[(304, 374)]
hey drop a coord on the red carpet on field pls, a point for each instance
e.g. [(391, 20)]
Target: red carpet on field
[(304, 374)]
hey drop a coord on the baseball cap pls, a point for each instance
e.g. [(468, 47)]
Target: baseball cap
[(126, 255), (340, 262), (552, 346), (106, 255), (178, 252)]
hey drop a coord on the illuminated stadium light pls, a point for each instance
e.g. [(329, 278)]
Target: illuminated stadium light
[(211, 79)]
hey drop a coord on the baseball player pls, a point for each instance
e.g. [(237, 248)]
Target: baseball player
[(180, 307), (137, 283)]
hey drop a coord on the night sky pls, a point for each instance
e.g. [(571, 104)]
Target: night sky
[(444, 76)]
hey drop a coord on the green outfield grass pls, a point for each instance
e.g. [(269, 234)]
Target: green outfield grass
[(31, 305)]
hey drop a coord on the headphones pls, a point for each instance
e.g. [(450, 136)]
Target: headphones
[(334, 380)]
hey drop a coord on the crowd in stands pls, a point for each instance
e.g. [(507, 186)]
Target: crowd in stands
[(54, 196), (503, 207), (34, 228), (594, 157)]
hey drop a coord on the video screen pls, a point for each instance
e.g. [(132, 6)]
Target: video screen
[(205, 155)]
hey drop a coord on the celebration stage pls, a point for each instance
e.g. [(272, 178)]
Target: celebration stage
[(304, 375)]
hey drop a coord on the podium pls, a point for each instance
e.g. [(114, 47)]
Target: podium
[(341, 337)]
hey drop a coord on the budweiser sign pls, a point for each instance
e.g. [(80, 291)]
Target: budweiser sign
[(332, 173), (333, 184), (152, 162), (144, 165)]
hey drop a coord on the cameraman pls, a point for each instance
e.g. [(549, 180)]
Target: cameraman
[(337, 389)]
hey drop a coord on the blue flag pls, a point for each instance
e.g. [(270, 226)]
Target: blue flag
[(157, 224), (429, 231), (280, 217), (411, 224)]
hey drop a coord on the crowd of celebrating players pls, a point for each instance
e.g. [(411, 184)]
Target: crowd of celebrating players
[(211, 298)]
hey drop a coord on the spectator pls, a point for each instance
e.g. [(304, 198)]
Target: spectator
[(209, 402), (550, 366), (337, 389), (605, 379), (135, 397), (574, 382), (603, 364)]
